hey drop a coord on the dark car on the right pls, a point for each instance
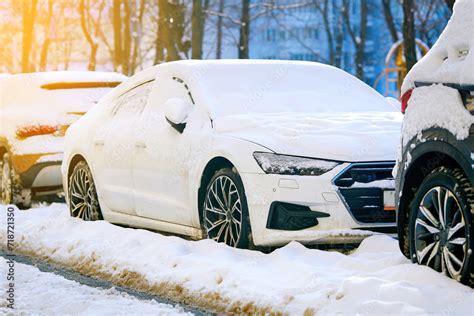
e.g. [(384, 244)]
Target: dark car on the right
[(434, 173)]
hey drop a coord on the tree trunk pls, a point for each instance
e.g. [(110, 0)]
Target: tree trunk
[(117, 26), (29, 16), (219, 30), (138, 33), (92, 44), (160, 34), (327, 27), (409, 36), (46, 41), (339, 45), (244, 30), (360, 45), (197, 30), (387, 10), (127, 39)]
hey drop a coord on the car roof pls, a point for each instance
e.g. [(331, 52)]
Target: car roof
[(43, 78)]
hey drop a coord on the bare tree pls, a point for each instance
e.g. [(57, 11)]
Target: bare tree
[(47, 40), (127, 39), (137, 27), (244, 30), (409, 36), (219, 30), (323, 8), (29, 17), (389, 20), (90, 26), (197, 29), (359, 38), (117, 26)]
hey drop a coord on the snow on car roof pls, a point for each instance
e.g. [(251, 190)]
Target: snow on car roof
[(451, 59), (42, 78), (231, 87)]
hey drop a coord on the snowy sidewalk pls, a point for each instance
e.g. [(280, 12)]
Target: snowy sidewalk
[(375, 279), (40, 293)]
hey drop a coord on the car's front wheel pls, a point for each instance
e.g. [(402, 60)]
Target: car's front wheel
[(225, 212), (441, 231), (83, 200)]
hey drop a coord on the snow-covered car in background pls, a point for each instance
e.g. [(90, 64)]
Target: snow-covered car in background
[(35, 111), (242, 152), (435, 177)]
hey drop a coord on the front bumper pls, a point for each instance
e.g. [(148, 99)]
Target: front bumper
[(320, 194)]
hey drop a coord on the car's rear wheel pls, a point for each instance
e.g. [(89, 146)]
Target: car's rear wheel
[(225, 212), (12, 191), (83, 200), (6, 181), (441, 232)]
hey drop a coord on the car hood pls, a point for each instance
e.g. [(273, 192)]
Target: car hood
[(353, 136)]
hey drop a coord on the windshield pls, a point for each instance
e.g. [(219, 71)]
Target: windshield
[(292, 87)]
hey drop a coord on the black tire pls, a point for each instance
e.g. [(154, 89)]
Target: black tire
[(82, 194), (440, 224), (11, 189), (227, 209)]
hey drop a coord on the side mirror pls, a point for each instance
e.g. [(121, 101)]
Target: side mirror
[(177, 111)]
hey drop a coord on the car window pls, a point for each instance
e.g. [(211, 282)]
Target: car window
[(133, 101)]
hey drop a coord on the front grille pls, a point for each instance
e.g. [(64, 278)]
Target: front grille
[(362, 185)]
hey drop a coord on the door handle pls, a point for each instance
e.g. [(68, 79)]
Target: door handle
[(99, 143), (140, 144)]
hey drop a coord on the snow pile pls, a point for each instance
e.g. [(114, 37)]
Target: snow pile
[(375, 279), (39, 293), (344, 136), (451, 59), (436, 106)]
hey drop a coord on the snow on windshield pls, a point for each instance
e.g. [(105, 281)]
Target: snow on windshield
[(301, 87)]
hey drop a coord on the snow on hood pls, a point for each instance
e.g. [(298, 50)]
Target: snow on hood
[(451, 59), (361, 136)]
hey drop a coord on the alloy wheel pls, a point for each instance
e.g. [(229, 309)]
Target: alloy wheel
[(83, 199), (223, 211), (440, 232)]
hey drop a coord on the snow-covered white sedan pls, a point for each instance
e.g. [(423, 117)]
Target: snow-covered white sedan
[(35, 111), (242, 152)]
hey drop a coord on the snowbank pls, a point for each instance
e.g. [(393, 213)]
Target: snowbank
[(38, 293), (375, 279)]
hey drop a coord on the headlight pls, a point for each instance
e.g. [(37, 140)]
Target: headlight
[(292, 165)]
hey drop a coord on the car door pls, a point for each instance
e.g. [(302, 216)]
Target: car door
[(114, 145), (161, 165)]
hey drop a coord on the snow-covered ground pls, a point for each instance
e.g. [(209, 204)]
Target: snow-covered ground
[(40, 293), (374, 279)]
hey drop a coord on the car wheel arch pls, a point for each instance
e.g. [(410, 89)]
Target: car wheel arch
[(73, 162), (212, 166), (425, 159)]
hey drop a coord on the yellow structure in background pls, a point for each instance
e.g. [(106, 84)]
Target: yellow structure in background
[(396, 68)]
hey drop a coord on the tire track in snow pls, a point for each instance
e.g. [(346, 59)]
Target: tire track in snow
[(44, 266)]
